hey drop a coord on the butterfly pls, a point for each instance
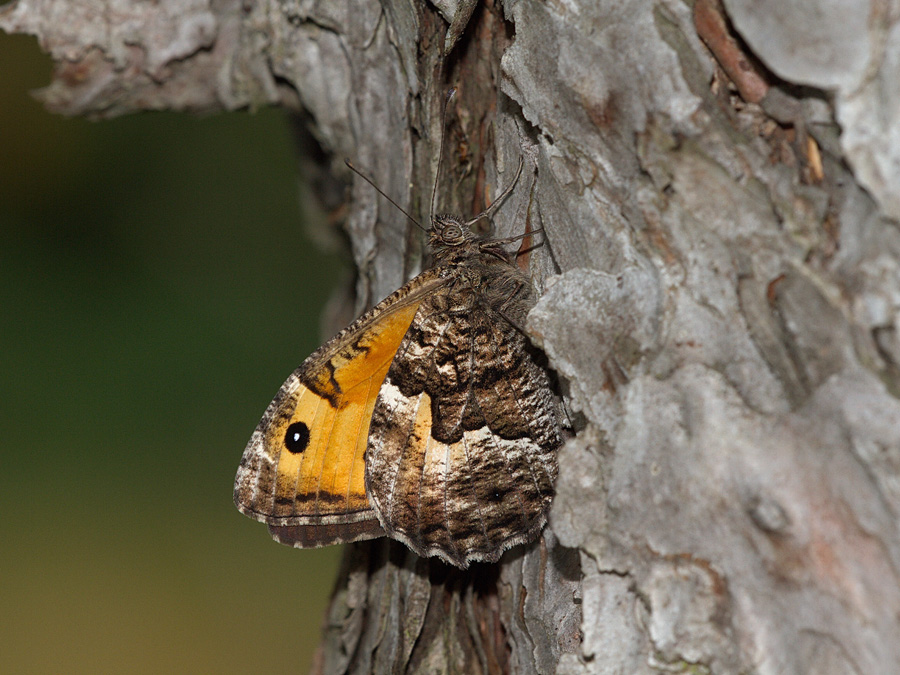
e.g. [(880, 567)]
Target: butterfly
[(430, 419)]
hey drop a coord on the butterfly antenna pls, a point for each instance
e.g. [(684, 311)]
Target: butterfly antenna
[(382, 193), (437, 174)]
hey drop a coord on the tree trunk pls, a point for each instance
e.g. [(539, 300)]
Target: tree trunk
[(718, 189)]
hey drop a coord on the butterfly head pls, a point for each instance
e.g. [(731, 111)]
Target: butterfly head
[(452, 241)]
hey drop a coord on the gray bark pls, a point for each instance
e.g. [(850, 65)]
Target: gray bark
[(718, 190)]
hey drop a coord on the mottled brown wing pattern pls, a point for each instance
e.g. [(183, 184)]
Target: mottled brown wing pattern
[(461, 457)]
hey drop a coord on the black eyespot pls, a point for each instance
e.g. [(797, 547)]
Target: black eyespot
[(296, 439)]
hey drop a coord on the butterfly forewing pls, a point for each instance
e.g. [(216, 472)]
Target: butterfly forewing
[(303, 471)]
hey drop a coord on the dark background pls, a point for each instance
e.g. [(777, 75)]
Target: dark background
[(156, 288)]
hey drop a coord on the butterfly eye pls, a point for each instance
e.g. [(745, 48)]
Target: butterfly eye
[(452, 234), (296, 439)]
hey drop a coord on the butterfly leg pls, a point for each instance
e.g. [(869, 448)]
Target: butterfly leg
[(489, 211)]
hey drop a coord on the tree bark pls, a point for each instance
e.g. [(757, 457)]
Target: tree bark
[(718, 192)]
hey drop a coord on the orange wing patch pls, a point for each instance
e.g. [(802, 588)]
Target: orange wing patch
[(303, 471)]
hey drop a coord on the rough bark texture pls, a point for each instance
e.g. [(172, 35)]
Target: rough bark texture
[(719, 188)]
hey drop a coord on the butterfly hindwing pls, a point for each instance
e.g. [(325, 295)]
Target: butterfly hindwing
[(461, 455), (303, 471)]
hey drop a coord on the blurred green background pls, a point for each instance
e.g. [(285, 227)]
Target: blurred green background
[(156, 288)]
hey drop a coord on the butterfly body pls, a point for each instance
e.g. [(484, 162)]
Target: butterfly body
[(429, 419)]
